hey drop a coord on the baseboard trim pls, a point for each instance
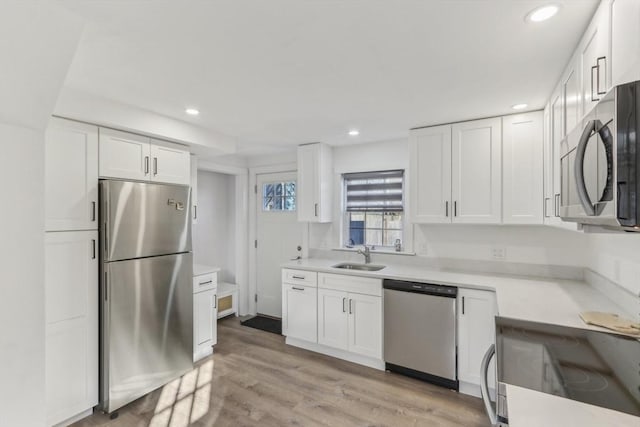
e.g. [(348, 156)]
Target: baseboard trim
[(339, 354), (471, 389)]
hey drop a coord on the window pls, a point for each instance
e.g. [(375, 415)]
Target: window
[(279, 196), (374, 208)]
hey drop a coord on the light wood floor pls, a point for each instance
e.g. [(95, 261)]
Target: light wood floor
[(255, 379)]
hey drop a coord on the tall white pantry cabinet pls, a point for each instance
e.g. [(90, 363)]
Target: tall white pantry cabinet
[(71, 269)]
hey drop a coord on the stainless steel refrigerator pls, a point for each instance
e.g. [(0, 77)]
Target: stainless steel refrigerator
[(146, 330)]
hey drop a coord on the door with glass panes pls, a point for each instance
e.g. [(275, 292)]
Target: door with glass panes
[(279, 234)]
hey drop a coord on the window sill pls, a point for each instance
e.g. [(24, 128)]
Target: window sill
[(377, 251)]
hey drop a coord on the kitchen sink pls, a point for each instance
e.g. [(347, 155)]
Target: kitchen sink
[(361, 267)]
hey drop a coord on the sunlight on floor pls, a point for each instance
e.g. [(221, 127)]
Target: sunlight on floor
[(184, 400)]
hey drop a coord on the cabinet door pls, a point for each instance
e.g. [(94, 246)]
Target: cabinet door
[(625, 41), (476, 332), (571, 97), (124, 155), (430, 174), (203, 322), (315, 183), (194, 189), (170, 163), (332, 318), (522, 168), (595, 59), (71, 176), (476, 171), (71, 315), (299, 312), (365, 325)]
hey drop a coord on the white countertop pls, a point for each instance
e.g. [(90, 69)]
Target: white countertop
[(552, 301), (200, 269)]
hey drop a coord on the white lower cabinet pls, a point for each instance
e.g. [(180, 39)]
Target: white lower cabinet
[(335, 314), (71, 307), (333, 318), (299, 317), (476, 332), (205, 315)]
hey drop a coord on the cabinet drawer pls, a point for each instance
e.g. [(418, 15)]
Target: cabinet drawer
[(342, 282), (205, 282), (299, 277)]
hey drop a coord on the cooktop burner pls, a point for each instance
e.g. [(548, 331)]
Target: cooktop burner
[(598, 368)]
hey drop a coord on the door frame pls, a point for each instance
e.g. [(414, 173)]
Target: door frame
[(253, 200)]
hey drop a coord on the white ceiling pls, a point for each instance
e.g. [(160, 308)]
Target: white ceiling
[(282, 72)]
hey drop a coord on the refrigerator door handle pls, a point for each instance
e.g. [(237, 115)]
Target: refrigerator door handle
[(484, 384)]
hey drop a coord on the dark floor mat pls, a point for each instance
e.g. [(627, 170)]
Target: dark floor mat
[(264, 324)]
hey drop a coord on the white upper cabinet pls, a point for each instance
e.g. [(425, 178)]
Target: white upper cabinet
[(523, 175), (171, 163), (128, 156), (124, 155), (315, 181), (595, 59), (476, 179), (194, 189), (71, 176), (430, 174), (571, 99), (625, 41)]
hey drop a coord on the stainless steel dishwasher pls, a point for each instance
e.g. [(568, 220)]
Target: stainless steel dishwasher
[(420, 331)]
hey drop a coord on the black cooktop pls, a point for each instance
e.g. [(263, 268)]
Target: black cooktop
[(598, 368)]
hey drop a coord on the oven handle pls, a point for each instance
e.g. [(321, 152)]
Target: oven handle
[(484, 384), (581, 185)]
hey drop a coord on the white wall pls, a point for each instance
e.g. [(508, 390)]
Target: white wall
[(37, 43), (616, 257), (214, 234)]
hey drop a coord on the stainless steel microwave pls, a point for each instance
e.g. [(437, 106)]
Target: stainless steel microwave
[(600, 163)]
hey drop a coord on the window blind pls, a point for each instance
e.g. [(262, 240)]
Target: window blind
[(374, 191)]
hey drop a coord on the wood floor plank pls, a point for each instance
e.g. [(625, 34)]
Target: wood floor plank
[(255, 379)]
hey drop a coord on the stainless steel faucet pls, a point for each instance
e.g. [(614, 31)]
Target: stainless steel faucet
[(366, 253)]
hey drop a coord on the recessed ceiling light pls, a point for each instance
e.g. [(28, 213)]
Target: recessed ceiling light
[(519, 106), (354, 132), (542, 13), (192, 111)]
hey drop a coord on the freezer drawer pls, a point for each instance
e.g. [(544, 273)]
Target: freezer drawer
[(140, 219), (147, 326)]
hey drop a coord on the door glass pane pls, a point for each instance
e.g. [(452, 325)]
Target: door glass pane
[(279, 196)]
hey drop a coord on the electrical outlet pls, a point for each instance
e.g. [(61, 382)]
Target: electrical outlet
[(498, 253)]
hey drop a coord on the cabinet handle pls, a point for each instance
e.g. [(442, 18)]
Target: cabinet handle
[(298, 277), (155, 166), (556, 204), (546, 205), (462, 305), (594, 68), (315, 209), (195, 212), (146, 165), (455, 208), (446, 208), (344, 308), (602, 58), (215, 301), (93, 248), (297, 289), (208, 282), (93, 211), (350, 306)]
